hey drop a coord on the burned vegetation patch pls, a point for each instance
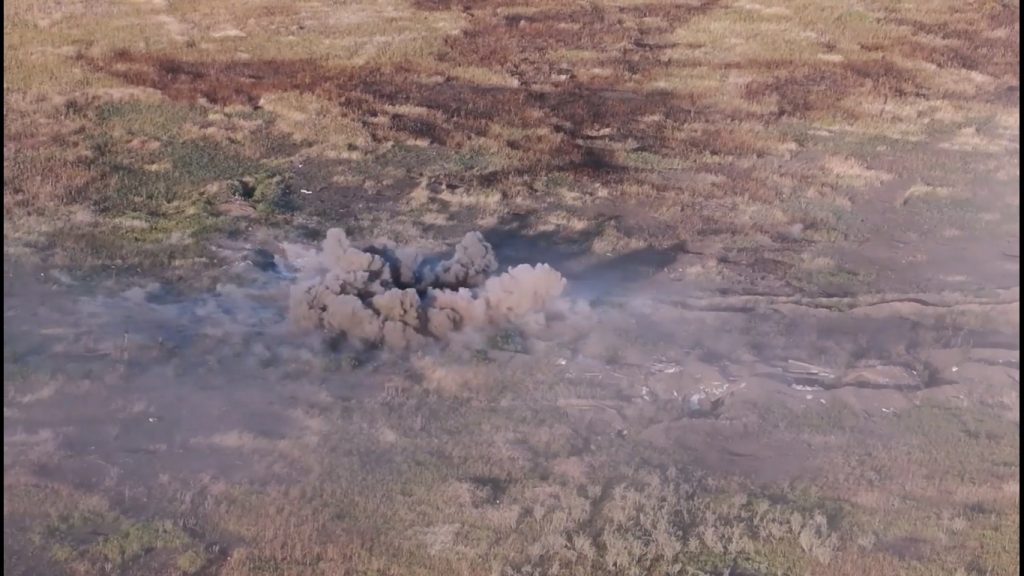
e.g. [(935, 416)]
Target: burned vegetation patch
[(984, 37), (525, 43), (801, 90), (546, 129), (555, 114), (576, 90)]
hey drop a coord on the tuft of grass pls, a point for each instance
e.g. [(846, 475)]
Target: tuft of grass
[(134, 185), (823, 276), (80, 533), (190, 562), (135, 540), (269, 192)]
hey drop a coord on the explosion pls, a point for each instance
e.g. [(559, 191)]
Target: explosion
[(395, 297)]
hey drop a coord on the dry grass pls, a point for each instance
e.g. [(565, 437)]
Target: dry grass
[(499, 462), (424, 485), (136, 134), (631, 97)]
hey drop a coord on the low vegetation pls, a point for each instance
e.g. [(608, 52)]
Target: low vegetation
[(763, 137), (695, 121)]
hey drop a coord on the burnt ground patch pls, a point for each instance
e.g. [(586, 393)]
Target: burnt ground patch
[(555, 114), (524, 42), (580, 128), (566, 92), (518, 41), (575, 128), (799, 90), (956, 43)]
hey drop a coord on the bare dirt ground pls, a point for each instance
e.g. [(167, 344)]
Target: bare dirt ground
[(788, 343)]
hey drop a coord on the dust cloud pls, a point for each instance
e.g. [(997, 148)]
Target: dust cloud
[(399, 298)]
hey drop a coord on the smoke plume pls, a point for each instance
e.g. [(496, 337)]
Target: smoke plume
[(396, 297)]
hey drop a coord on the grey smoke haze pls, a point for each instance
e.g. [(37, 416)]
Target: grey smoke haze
[(391, 296)]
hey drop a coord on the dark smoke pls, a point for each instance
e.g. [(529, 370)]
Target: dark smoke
[(390, 296)]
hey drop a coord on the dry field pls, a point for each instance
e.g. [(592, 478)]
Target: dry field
[(789, 342)]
